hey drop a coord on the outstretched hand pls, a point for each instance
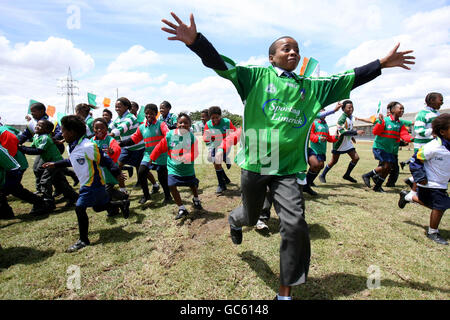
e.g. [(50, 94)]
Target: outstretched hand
[(182, 32), (397, 59)]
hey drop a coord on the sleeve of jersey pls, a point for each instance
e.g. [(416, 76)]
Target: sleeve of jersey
[(164, 128), (137, 136), (334, 88), (207, 134), (93, 153), (378, 128), (313, 136), (189, 157), (332, 139), (7, 162), (417, 167), (232, 127), (404, 134), (230, 140), (160, 148), (117, 150), (420, 128), (9, 141)]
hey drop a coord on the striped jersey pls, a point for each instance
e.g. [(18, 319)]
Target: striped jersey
[(151, 134), (388, 134), (85, 160), (344, 124), (124, 127), (278, 113), (213, 135), (422, 126), (319, 129), (170, 120), (103, 145)]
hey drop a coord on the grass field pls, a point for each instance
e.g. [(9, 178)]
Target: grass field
[(353, 231)]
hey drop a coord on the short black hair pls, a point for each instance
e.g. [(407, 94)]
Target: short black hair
[(134, 104), (166, 104), (125, 102), (205, 111), (273, 46), (151, 106), (431, 96), (86, 108), (108, 112), (48, 125), (439, 123), (392, 104), (102, 120), (346, 102), (38, 106), (214, 110), (184, 114), (75, 124)]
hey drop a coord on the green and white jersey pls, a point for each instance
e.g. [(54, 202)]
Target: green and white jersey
[(7, 162), (278, 113), (345, 123), (124, 127), (89, 125), (422, 127), (45, 142)]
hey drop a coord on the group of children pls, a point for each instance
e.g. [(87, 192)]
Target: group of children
[(279, 106)]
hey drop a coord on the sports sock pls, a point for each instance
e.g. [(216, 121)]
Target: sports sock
[(283, 297), (325, 171), (431, 230), (409, 196), (350, 168), (182, 207)]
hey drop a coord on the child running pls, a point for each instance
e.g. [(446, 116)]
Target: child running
[(182, 148), (83, 110), (344, 143), (151, 133), (279, 108), (430, 169), (111, 149), (169, 118), (86, 159), (216, 130), (388, 131), (44, 146)]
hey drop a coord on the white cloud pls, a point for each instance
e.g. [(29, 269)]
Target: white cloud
[(255, 61), (135, 57)]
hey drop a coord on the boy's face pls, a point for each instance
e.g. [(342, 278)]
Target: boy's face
[(69, 136), (150, 115), (134, 109), (120, 108), (287, 54), (163, 110), (183, 123), (37, 113), (398, 110), (348, 109), (215, 119), (106, 116), (100, 130), (437, 102), (40, 128), (205, 117)]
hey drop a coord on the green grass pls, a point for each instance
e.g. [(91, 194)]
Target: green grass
[(152, 256)]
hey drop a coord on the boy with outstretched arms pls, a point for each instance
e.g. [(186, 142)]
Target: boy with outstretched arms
[(279, 109)]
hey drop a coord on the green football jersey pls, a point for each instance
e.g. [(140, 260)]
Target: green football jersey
[(45, 142), (278, 113)]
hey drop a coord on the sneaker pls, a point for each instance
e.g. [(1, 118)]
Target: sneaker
[(308, 190), (366, 180), (221, 189), (436, 237), (390, 184), (261, 225), (112, 213), (349, 179), (155, 189), (197, 204), (77, 246), (181, 213), (322, 179), (70, 204), (143, 199), (236, 235), (402, 202), (125, 207), (380, 190), (408, 182), (227, 180)]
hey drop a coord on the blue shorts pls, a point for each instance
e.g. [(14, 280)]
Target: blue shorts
[(152, 166), (188, 181), (92, 196), (132, 158), (434, 198), (342, 152), (320, 157), (384, 156)]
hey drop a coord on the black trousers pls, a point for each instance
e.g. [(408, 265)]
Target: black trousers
[(287, 196), (162, 178)]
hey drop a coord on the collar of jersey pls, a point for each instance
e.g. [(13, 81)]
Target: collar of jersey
[(75, 143), (146, 122)]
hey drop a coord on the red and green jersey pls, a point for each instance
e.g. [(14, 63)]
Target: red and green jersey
[(103, 145), (388, 134), (151, 134), (182, 150), (213, 135), (10, 141), (320, 129), (278, 113), (7, 162), (45, 142)]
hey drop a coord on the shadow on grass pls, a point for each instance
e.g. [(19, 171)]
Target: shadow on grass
[(203, 215), (116, 235), (329, 287), (22, 255), (443, 232)]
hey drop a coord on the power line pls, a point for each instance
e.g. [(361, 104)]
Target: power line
[(68, 88)]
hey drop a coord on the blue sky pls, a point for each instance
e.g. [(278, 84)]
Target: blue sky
[(119, 44)]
